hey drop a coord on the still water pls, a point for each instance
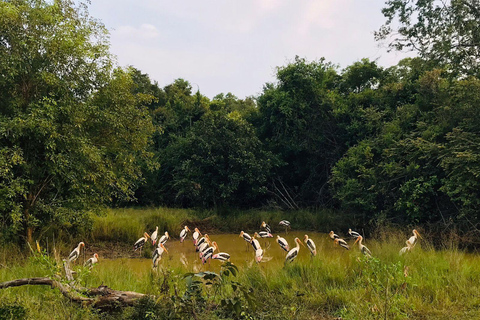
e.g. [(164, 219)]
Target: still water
[(241, 253)]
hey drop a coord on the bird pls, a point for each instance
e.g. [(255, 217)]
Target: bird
[(209, 252), (333, 235), (245, 237), (266, 227), (292, 254), (283, 243), (196, 234), (406, 249), (75, 253), (164, 238), (413, 239), (286, 224), (258, 255), (342, 243), (154, 236), (90, 262), (157, 254), (201, 241), (363, 248), (203, 247), (310, 245), (222, 256), (184, 233), (254, 242), (141, 242), (264, 234), (353, 234)]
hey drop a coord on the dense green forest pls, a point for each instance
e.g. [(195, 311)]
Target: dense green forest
[(398, 145)]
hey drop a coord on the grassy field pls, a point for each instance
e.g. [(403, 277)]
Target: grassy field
[(427, 283)]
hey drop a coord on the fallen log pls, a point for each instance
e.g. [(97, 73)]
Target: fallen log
[(101, 297)]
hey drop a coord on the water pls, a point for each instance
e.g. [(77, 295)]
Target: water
[(241, 253)]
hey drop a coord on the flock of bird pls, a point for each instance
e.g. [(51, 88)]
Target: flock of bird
[(208, 249)]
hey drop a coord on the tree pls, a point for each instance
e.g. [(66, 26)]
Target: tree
[(71, 130), (447, 33)]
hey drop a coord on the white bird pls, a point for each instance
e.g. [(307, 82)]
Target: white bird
[(258, 255), (154, 236), (184, 233), (164, 238), (201, 241), (266, 227), (333, 235), (310, 245), (254, 242), (245, 237), (90, 262), (222, 256), (283, 243), (413, 239), (203, 247), (157, 254), (407, 248), (286, 224), (292, 254), (75, 253), (353, 234), (141, 242), (363, 248), (209, 252), (265, 234), (196, 234), (342, 243)]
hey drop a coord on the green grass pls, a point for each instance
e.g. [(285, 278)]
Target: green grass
[(427, 283)]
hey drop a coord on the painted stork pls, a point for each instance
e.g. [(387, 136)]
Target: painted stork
[(264, 234), (245, 237), (209, 252), (353, 234), (196, 234), (141, 242), (164, 238), (292, 254), (283, 243), (333, 235), (157, 254), (362, 248), (406, 249), (286, 224), (90, 262), (413, 239), (201, 241), (203, 247), (75, 253), (254, 242), (222, 256), (258, 255), (266, 227), (341, 243), (154, 236), (310, 245), (184, 233)]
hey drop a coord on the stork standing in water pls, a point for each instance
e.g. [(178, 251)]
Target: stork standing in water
[(204, 246), (283, 243), (286, 224), (263, 234), (292, 254), (75, 253), (196, 234), (266, 227), (164, 238), (362, 248), (310, 245), (246, 237), (353, 234), (201, 241), (209, 252), (222, 256), (333, 235), (413, 239), (90, 262), (184, 233), (157, 254), (141, 242), (341, 243), (254, 242), (154, 236)]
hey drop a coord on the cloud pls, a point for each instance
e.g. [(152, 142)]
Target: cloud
[(144, 32)]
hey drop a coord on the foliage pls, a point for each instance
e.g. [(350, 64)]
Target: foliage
[(443, 32)]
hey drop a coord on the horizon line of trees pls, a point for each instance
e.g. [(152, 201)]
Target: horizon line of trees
[(398, 144)]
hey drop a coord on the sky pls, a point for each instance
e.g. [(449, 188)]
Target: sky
[(235, 46)]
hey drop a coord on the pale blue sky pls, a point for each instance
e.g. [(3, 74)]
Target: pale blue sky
[(234, 46)]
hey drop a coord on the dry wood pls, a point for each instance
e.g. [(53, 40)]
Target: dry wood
[(101, 297)]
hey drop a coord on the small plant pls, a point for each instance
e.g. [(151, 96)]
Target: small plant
[(12, 311)]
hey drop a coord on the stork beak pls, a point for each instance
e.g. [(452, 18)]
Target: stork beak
[(298, 240), (356, 240), (164, 248), (418, 234), (263, 224), (188, 229)]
